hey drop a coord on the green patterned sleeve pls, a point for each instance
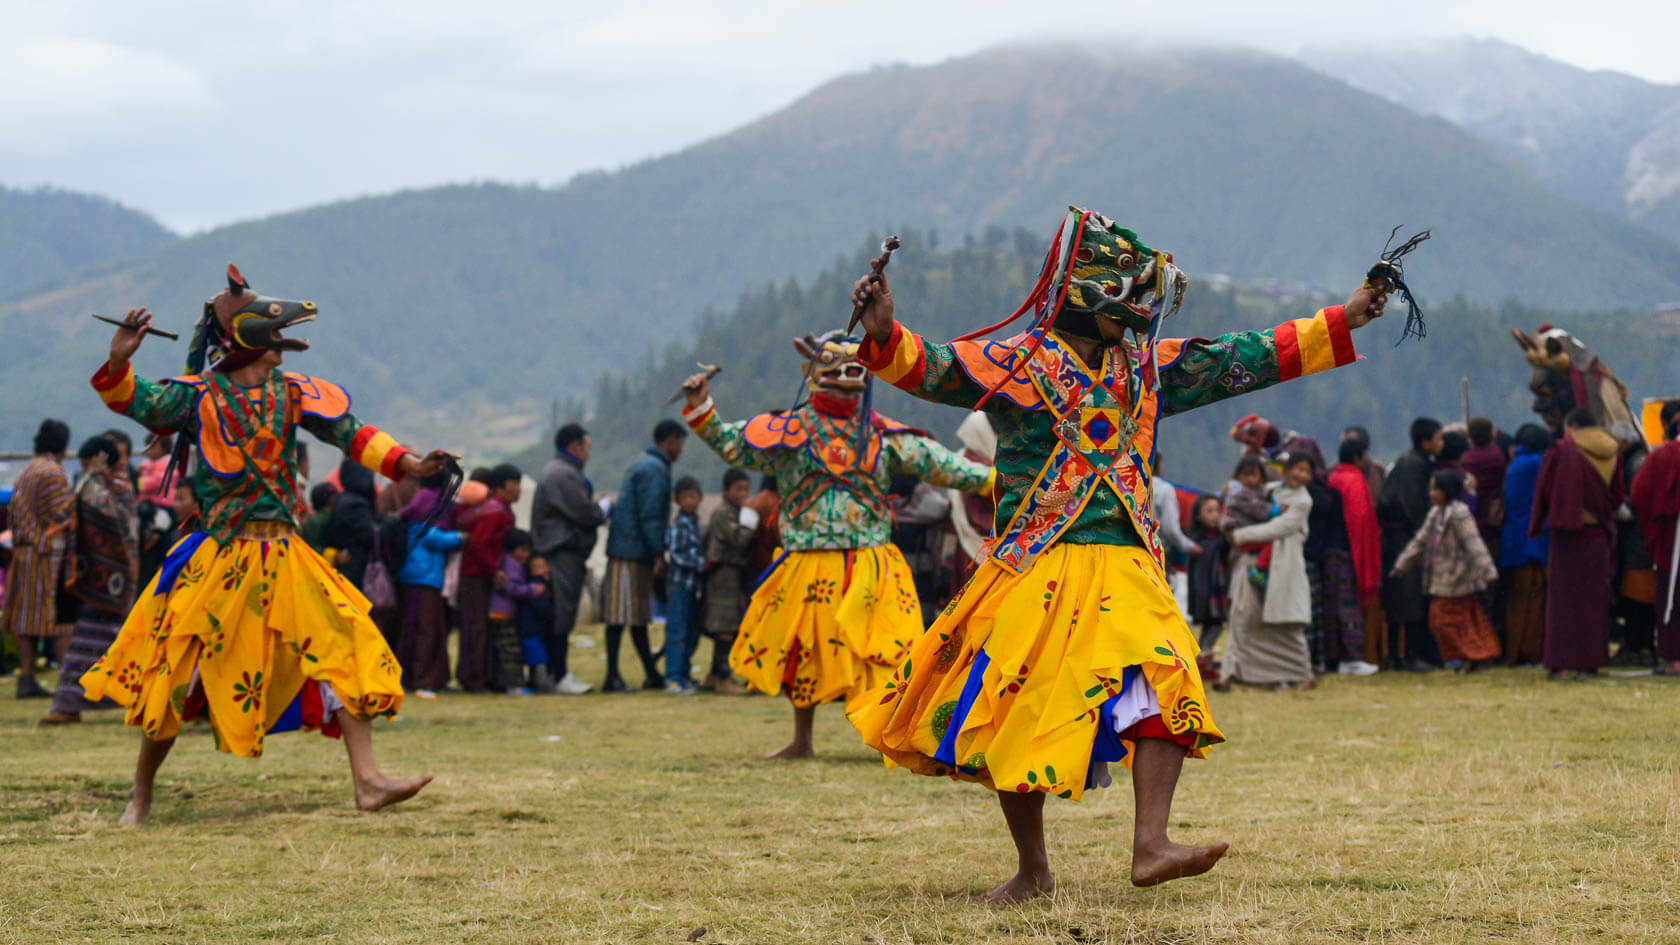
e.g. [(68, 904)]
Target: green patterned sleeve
[(165, 407), (920, 368), (728, 439), (1197, 372), (936, 465)]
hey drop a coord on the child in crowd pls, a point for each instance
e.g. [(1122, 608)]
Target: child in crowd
[(184, 506), (1456, 568), (1247, 503), (314, 530), (511, 584), (536, 626), (1210, 571), (682, 585), (731, 533), (152, 468)]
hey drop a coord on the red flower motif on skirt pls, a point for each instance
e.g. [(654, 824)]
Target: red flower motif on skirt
[(248, 692)]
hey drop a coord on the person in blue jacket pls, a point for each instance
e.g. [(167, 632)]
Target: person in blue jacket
[(423, 648), (1522, 560), (636, 552)]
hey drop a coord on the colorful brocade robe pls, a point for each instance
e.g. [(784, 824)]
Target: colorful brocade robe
[(246, 437), (832, 497), (1075, 444)]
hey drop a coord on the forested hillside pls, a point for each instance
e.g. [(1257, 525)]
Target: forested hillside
[(459, 314), (943, 293), (46, 234)]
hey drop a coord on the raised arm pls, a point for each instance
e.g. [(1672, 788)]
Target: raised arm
[(936, 465), (1196, 372), (920, 367), (902, 358), (162, 407), (363, 443), (725, 438)]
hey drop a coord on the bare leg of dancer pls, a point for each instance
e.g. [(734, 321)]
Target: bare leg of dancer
[(374, 789), (800, 747), (145, 773), (1025, 815), (1156, 859)]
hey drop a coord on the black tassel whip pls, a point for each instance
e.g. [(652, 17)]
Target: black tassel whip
[(1390, 270), (447, 496)]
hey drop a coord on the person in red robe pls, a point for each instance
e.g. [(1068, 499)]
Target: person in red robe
[(1359, 512), (1577, 494), (1656, 503)]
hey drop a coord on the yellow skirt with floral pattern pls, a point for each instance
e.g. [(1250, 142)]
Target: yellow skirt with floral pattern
[(828, 625), (1015, 684), (235, 631)]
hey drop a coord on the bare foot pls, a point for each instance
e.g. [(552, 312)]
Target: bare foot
[(793, 750), (139, 805), (1174, 861), (1023, 886), (387, 791)]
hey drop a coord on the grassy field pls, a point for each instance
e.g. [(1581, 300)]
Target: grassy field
[(1494, 808)]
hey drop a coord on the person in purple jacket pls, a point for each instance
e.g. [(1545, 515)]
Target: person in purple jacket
[(513, 583)]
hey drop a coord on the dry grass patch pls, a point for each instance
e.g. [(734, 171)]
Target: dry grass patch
[(1493, 808)]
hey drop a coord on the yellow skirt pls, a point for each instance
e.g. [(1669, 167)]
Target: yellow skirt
[(828, 625), (249, 623), (1018, 683)]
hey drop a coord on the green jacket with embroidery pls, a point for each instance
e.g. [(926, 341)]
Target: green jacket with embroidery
[(1192, 373), (246, 438), (833, 498)]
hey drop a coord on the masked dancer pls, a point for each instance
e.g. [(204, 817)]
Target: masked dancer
[(244, 623), (1066, 651), (838, 609)]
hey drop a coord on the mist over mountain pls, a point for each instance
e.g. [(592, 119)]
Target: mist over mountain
[(1606, 139), (459, 315)]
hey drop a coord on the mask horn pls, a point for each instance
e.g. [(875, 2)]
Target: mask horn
[(236, 282)]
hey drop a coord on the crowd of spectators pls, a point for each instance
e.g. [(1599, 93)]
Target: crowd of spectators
[(1473, 547)]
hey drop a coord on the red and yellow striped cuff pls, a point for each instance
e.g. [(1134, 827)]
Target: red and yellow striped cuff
[(117, 391), (697, 415), (899, 362), (376, 450), (1310, 345)]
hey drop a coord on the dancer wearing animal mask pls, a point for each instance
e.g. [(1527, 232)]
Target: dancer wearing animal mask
[(838, 610), (1066, 650), (245, 624)]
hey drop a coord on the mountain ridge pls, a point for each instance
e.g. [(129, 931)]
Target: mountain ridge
[(46, 233), (1604, 138), (463, 311)]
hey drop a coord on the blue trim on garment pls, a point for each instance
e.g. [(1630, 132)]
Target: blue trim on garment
[(176, 560), (773, 566), (292, 719), (946, 753)]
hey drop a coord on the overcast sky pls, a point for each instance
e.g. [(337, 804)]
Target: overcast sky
[(204, 113)]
